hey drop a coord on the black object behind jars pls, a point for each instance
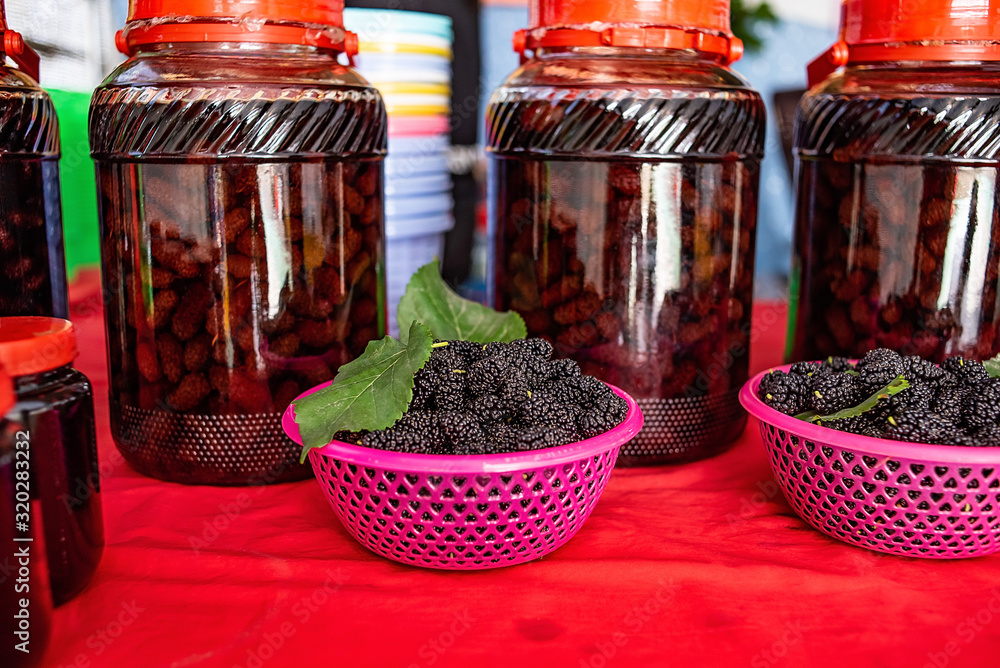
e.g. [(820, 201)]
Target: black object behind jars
[(55, 404), (33, 279), (624, 193), (242, 245)]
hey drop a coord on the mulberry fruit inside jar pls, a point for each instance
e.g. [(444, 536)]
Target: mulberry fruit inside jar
[(897, 239), (624, 197), (242, 232)]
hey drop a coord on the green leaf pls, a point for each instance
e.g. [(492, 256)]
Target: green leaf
[(748, 20), (370, 392), (893, 388), (429, 300), (993, 367)]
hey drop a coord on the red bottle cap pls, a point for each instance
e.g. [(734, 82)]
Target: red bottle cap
[(7, 398), (907, 30), (318, 23), (702, 25), (13, 46), (30, 344)]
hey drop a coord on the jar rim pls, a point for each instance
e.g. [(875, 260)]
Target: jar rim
[(35, 344)]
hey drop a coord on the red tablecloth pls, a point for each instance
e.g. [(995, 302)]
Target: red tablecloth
[(701, 565)]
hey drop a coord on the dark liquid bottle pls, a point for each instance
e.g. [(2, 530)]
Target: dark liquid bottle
[(33, 280), (897, 237), (55, 405), (57, 409), (242, 244), (624, 203)]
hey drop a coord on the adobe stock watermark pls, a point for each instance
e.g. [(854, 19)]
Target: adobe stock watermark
[(432, 650), (967, 631), (302, 611), (99, 641), (632, 623), (83, 488), (773, 654), (865, 561)]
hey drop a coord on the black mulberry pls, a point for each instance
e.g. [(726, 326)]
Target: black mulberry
[(834, 392), (879, 368), (965, 369), (471, 399), (785, 392)]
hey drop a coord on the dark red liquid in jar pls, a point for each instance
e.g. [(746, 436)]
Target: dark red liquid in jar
[(896, 255), (17, 513), (33, 281), (57, 411), (239, 282), (630, 268), (625, 226), (898, 224)]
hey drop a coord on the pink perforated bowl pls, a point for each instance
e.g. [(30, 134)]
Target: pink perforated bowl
[(466, 512), (930, 501)]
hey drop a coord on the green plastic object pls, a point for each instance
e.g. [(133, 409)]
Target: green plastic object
[(79, 188)]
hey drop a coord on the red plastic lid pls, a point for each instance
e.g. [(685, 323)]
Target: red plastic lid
[(317, 23), (907, 30), (665, 24), (14, 47), (30, 345), (7, 398)]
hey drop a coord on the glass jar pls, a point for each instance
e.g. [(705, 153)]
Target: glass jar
[(55, 404), (623, 210), (25, 596), (240, 175), (897, 237), (33, 280)]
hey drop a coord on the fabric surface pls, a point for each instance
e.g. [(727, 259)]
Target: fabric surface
[(700, 565)]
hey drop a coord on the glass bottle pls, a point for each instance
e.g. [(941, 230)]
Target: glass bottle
[(55, 405), (240, 175), (33, 280), (25, 597), (624, 176)]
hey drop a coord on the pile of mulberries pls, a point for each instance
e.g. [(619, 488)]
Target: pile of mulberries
[(954, 403), (471, 399)]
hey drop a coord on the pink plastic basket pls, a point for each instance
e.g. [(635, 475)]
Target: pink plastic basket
[(931, 501), (467, 512)]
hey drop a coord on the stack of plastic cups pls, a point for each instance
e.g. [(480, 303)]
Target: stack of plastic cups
[(407, 56)]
